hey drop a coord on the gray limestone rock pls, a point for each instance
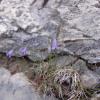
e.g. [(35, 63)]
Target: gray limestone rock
[(32, 24), (90, 79), (18, 87)]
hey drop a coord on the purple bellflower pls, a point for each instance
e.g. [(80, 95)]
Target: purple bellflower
[(54, 44), (9, 54), (23, 51)]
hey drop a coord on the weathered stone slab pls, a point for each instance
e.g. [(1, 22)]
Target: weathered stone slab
[(17, 87), (30, 25)]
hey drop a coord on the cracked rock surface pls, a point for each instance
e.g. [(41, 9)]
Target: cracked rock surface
[(33, 24)]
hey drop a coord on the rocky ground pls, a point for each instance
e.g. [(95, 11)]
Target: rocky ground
[(55, 43), (59, 77), (16, 80)]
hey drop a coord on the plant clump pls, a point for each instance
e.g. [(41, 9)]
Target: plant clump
[(64, 84)]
